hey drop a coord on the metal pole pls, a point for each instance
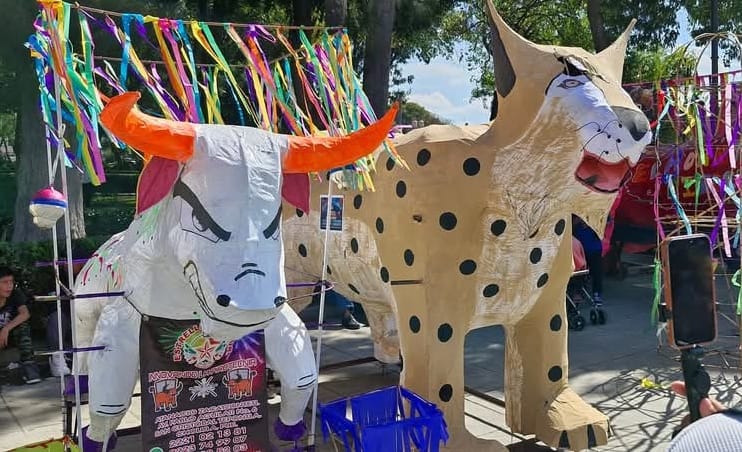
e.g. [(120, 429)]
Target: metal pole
[(715, 41), (68, 240), (318, 353), (55, 252)]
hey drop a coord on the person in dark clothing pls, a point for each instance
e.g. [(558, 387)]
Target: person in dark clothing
[(349, 322), (14, 326), (593, 248)]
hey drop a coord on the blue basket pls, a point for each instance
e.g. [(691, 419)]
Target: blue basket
[(386, 420)]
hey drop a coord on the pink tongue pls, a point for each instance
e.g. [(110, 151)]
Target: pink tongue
[(602, 175)]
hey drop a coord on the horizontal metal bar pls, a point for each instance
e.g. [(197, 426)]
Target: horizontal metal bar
[(79, 296), (71, 350), (60, 262)]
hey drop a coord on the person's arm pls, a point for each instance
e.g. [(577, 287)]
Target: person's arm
[(23, 315)]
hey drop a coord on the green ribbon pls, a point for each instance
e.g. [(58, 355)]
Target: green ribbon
[(656, 283), (737, 281)]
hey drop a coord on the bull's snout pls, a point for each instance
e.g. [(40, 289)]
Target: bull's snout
[(634, 121)]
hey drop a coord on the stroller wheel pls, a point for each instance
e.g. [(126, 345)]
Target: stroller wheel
[(579, 323), (593, 316), (601, 317)]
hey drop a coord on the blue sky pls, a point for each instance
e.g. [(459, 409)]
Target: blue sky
[(444, 88)]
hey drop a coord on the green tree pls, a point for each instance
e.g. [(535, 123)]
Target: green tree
[(560, 22), (730, 20), (410, 111), (656, 25)]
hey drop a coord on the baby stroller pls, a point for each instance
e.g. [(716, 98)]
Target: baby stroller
[(577, 293)]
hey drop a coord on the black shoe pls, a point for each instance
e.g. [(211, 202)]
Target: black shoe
[(31, 373), (350, 322)]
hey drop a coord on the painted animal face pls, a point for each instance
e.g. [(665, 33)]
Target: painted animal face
[(583, 91), (612, 137), (226, 234), (223, 223)]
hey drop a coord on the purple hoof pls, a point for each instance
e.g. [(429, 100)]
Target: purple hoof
[(289, 432), (69, 385), (94, 446)]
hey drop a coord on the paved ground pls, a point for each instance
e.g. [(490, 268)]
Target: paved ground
[(607, 365)]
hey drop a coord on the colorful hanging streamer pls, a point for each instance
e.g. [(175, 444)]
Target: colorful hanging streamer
[(326, 98)]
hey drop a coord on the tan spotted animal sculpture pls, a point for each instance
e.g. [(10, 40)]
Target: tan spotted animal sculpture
[(477, 233)]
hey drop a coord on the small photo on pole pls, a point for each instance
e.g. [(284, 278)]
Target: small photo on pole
[(336, 214)]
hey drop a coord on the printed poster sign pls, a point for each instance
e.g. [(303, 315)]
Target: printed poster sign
[(336, 214), (199, 394)]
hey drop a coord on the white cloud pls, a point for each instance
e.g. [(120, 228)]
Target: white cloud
[(444, 87)]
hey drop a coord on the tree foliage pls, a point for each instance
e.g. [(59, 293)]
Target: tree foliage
[(410, 111), (730, 20)]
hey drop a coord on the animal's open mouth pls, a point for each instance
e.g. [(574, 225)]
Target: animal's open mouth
[(600, 176)]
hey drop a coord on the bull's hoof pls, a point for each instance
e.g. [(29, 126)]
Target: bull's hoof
[(289, 432), (571, 423), (90, 445)]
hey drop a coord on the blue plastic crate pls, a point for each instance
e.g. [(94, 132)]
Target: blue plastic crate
[(386, 420)]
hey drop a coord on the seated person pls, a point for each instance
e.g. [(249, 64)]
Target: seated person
[(14, 327), (349, 322), (593, 248)]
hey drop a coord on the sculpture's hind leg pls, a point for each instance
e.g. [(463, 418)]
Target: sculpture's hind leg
[(113, 371), (289, 353), (538, 399), (433, 354)]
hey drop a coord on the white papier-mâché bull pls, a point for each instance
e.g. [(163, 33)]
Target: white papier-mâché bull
[(205, 244)]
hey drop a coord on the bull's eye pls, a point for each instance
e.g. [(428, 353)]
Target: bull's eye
[(195, 218), (195, 222), (570, 83)]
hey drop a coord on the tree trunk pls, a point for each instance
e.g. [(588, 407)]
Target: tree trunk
[(31, 167), (378, 59), (597, 27), (203, 9), (336, 11)]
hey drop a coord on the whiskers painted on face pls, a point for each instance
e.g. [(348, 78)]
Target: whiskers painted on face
[(250, 271)]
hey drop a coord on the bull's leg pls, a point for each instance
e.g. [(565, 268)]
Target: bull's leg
[(289, 353), (538, 399), (113, 371), (433, 353)]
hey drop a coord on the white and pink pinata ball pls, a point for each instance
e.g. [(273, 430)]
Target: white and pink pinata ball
[(47, 206)]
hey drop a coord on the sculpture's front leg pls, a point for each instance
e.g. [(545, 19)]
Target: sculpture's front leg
[(113, 371), (538, 399), (289, 353)]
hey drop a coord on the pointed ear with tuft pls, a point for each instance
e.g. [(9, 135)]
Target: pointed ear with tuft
[(504, 72), (614, 54), (511, 52)]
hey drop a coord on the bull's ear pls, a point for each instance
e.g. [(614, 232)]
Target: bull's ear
[(153, 136), (156, 181), (614, 54)]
